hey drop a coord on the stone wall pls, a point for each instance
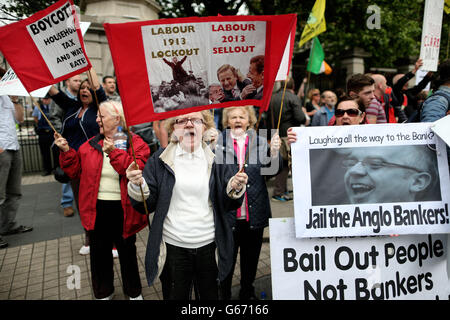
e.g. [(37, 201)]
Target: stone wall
[(99, 12)]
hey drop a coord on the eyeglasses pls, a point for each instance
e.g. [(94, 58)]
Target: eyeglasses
[(350, 112), (184, 121), (374, 164)]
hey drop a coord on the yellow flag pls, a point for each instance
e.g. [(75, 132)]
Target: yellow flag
[(316, 22), (447, 6)]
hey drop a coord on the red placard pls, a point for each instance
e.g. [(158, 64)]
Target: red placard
[(46, 47), (154, 89)]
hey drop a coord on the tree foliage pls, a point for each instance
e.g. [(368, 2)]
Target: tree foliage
[(398, 38), (16, 9)]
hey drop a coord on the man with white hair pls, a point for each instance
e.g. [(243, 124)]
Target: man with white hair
[(326, 112)]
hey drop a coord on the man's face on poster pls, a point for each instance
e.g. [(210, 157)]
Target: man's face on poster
[(215, 93), (256, 77), (383, 175), (227, 79)]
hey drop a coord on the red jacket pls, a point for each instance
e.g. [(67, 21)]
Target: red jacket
[(86, 165)]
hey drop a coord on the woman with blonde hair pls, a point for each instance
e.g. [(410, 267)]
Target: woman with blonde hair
[(313, 105), (106, 212), (259, 159), (189, 193)]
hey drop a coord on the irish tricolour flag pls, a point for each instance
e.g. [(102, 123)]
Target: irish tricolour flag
[(316, 63)]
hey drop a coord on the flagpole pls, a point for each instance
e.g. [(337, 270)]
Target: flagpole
[(95, 95), (308, 84), (281, 106), (232, 192), (257, 126), (43, 114), (137, 168)]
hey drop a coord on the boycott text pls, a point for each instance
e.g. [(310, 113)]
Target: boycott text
[(56, 17)]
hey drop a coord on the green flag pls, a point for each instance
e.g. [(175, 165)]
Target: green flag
[(316, 63)]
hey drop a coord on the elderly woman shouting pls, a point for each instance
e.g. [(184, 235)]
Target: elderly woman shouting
[(106, 212), (189, 193), (259, 159)]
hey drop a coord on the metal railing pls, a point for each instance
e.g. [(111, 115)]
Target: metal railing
[(29, 145)]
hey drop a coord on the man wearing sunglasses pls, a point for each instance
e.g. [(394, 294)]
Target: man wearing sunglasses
[(389, 174)]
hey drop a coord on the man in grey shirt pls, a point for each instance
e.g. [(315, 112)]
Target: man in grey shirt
[(11, 112)]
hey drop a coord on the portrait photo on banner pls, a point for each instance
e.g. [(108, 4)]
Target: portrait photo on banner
[(197, 64), (357, 175), (370, 180)]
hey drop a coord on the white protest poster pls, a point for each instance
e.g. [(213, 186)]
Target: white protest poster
[(11, 85), (420, 74), (184, 60), (55, 36), (431, 34), (408, 267), (370, 180), (442, 128)]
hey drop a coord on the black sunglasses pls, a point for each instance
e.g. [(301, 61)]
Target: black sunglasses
[(351, 112)]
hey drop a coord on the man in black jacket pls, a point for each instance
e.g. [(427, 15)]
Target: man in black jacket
[(408, 97), (291, 116)]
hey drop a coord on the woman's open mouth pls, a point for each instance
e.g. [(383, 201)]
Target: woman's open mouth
[(189, 134), (238, 129)]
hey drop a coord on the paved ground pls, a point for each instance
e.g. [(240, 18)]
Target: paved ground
[(45, 264)]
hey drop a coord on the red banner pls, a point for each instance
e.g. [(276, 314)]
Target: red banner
[(46, 47), (176, 66)]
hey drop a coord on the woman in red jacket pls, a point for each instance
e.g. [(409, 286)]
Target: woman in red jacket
[(105, 209)]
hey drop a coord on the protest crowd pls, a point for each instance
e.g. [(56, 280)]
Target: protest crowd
[(203, 191)]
